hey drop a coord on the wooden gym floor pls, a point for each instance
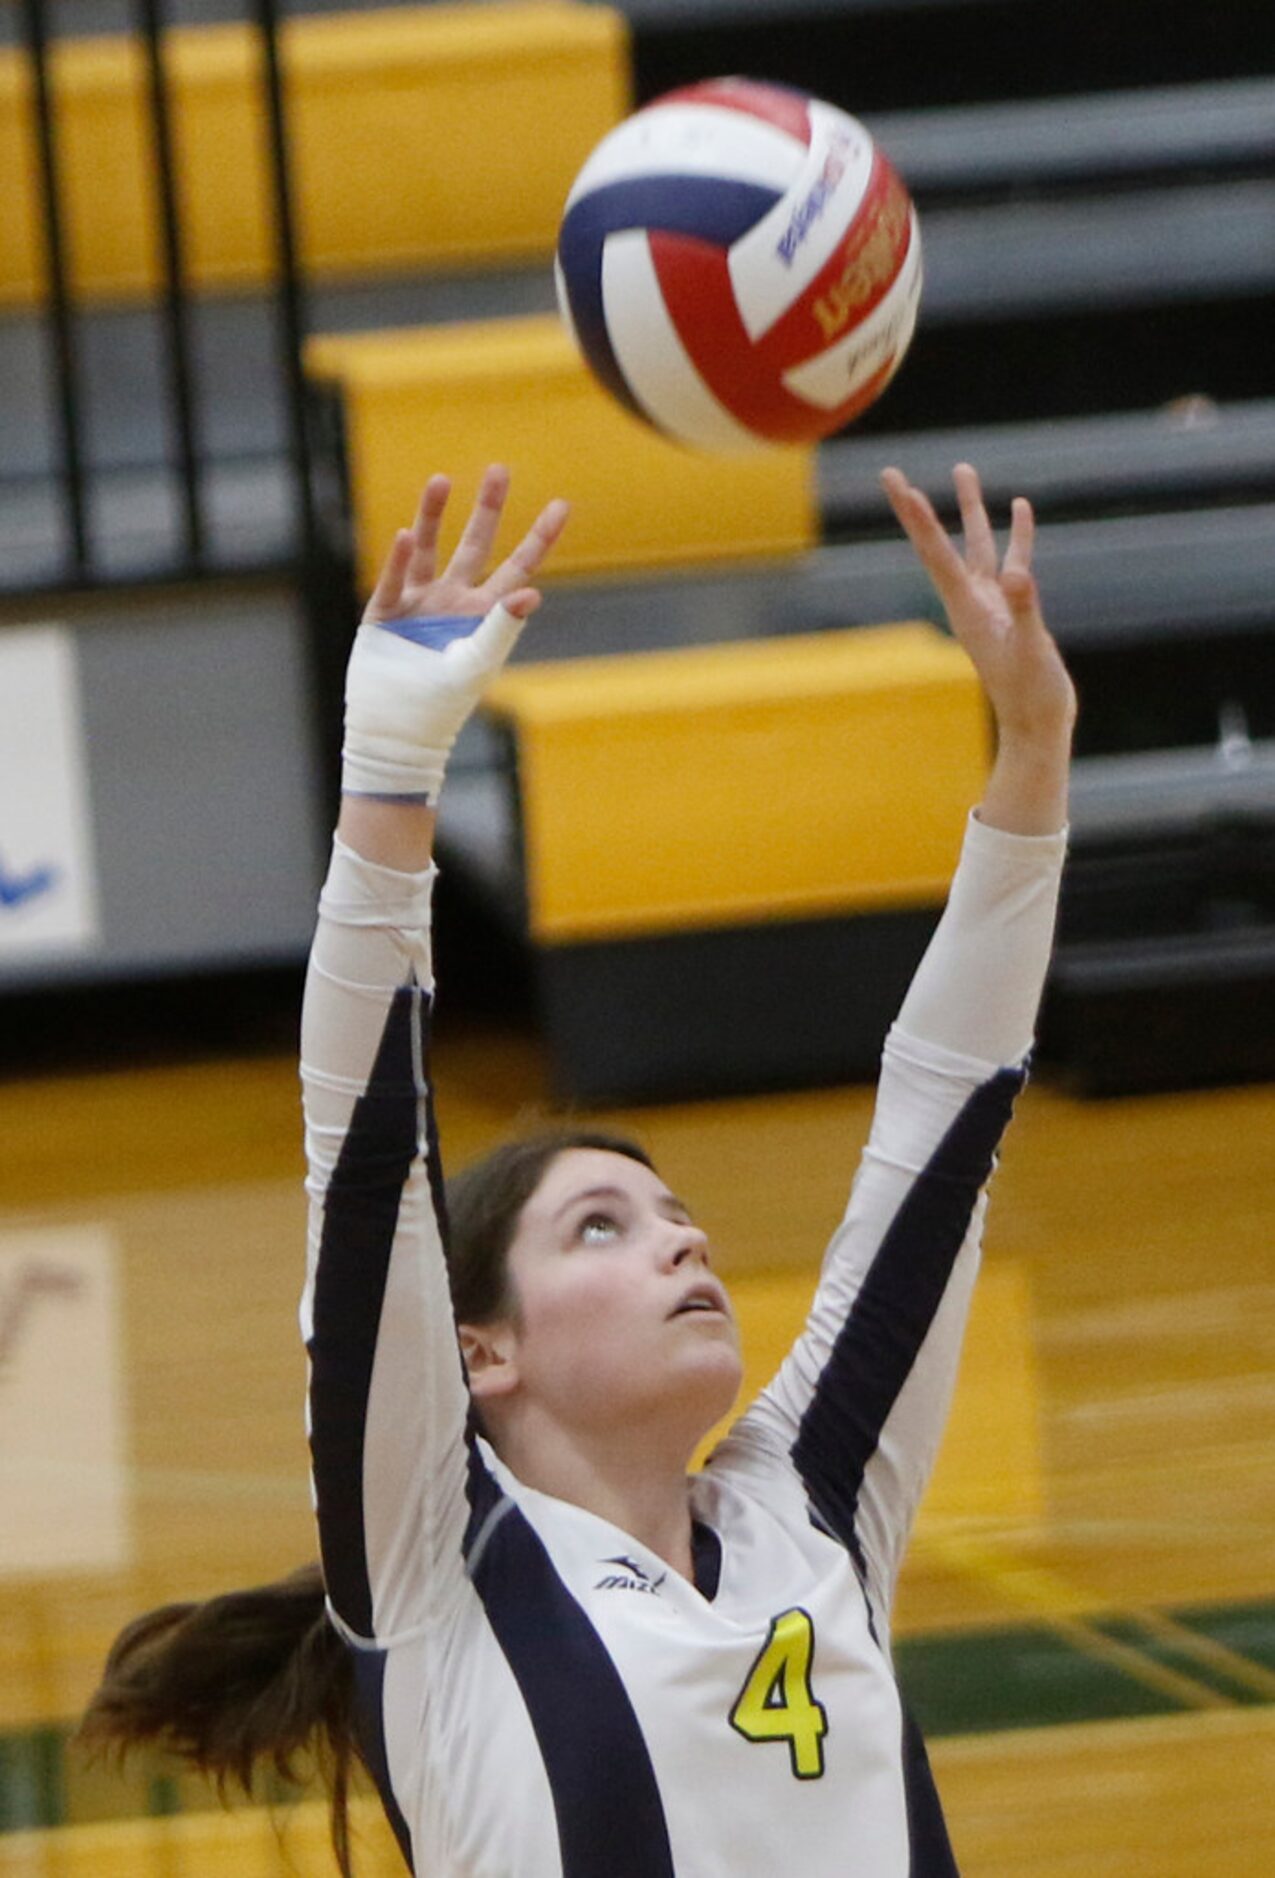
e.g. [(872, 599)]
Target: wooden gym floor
[(1088, 1619)]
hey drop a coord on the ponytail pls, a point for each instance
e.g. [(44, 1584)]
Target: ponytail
[(253, 1679)]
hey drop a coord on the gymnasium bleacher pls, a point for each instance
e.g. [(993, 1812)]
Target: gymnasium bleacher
[(1098, 206)]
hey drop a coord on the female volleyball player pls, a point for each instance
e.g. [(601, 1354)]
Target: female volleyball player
[(555, 1653)]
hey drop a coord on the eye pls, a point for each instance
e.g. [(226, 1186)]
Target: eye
[(598, 1229)]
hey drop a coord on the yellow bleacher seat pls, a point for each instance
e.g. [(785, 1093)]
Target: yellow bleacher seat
[(731, 856), (798, 777), (421, 136), (457, 397)]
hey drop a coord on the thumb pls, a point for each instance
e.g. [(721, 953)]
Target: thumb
[(498, 633), (523, 603)]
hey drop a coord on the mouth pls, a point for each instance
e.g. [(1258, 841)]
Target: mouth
[(704, 1299)]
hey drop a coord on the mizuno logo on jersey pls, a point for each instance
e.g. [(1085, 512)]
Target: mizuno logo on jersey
[(630, 1577)]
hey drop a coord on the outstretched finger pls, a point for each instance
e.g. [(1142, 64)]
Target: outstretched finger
[(980, 542), (425, 529), (528, 556), (473, 551), (387, 595), (916, 517), (1022, 537)]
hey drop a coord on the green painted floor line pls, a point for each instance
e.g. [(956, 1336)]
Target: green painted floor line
[(956, 1683)]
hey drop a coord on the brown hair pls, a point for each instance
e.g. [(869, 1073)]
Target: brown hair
[(259, 1679)]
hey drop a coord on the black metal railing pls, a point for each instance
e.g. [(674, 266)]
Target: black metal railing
[(68, 400), (183, 404), (81, 556)]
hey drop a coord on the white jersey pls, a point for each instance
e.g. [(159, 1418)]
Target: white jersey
[(540, 1695)]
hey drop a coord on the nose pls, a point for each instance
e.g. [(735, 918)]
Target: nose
[(689, 1243)]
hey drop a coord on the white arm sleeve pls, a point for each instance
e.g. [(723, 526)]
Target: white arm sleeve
[(977, 990), (859, 1405), (387, 1401)]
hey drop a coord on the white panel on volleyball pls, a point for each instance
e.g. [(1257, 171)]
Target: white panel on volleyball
[(774, 263), (692, 140), (654, 361), (831, 377)]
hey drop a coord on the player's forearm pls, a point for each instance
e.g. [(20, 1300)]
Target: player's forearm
[(976, 991), (399, 835), (1026, 792)]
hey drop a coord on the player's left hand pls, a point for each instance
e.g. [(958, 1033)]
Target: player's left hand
[(992, 605)]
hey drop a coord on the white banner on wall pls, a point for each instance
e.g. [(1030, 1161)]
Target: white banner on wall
[(48, 893)]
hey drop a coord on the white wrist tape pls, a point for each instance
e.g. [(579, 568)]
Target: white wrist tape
[(409, 686)]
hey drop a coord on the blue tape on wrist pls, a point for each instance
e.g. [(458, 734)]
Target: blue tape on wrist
[(411, 799), (435, 630)]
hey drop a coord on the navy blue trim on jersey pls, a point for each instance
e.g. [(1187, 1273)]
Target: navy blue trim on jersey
[(481, 1489), (360, 1215), (607, 1804), (930, 1849), (879, 1342), (369, 1702), (706, 1559), (716, 210), (433, 1152)]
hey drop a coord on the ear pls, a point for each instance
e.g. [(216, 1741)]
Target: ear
[(489, 1352)]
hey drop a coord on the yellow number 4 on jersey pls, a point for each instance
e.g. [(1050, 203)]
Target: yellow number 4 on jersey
[(776, 1702)]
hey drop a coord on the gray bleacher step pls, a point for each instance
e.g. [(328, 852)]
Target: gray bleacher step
[(1107, 582), (1066, 141), (1163, 964), (1197, 242), (1196, 452), (1147, 459), (235, 356), (137, 523), (1160, 791)]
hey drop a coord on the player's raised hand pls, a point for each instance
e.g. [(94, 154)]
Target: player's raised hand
[(430, 643), (992, 604), (410, 585)]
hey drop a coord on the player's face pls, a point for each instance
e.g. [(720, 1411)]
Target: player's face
[(619, 1315)]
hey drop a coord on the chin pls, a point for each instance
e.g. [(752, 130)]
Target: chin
[(718, 1377)]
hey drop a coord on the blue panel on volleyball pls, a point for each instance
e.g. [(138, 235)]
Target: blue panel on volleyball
[(713, 208)]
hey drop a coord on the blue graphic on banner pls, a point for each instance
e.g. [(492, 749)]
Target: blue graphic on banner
[(19, 889), (48, 887)]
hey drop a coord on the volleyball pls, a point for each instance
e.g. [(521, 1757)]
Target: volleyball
[(739, 263)]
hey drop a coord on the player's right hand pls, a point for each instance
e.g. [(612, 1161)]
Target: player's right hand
[(430, 643)]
